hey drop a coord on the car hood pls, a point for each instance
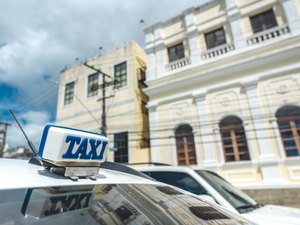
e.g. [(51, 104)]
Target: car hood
[(274, 215)]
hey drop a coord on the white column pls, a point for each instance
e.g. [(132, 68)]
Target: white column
[(230, 4), (192, 35), (159, 49), (261, 130), (253, 151), (235, 24), (160, 66), (219, 144), (292, 14), (267, 160), (155, 154), (150, 51), (278, 137), (150, 64), (205, 132)]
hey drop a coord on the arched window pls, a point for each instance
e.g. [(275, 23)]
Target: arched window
[(234, 139), (185, 145), (288, 119)]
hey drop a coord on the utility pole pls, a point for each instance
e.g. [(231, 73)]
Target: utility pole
[(104, 97), (3, 131)]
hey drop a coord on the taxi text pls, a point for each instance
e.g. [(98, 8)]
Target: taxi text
[(84, 148)]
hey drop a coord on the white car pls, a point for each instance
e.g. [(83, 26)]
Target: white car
[(211, 186), (69, 182)]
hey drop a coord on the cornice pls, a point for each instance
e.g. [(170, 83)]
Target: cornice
[(222, 68)]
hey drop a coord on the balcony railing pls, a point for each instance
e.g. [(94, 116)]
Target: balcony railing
[(178, 64), (220, 50), (268, 34)]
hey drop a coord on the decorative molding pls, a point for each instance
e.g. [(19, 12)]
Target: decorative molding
[(200, 96), (159, 45), (291, 161), (192, 32), (251, 174), (178, 64), (152, 107), (282, 88), (250, 85), (268, 35), (217, 51), (294, 173), (238, 164), (225, 100), (149, 50), (181, 81), (180, 112)]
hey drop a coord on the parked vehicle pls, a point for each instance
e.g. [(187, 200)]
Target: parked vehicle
[(211, 186), (69, 182)]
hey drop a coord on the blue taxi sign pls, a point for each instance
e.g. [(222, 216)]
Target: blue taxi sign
[(68, 147)]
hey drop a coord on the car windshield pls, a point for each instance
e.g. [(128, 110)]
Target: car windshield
[(237, 198), (107, 204), (178, 179)]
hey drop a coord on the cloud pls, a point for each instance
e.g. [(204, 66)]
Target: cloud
[(33, 123), (43, 37), (39, 38)]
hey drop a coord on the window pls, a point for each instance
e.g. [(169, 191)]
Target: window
[(121, 75), (92, 85), (289, 125), (215, 38), (178, 179), (185, 145), (69, 93), (234, 139), (176, 52), (263, 21), (121, 144)]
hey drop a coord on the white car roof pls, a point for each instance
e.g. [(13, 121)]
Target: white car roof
[(21, 174)]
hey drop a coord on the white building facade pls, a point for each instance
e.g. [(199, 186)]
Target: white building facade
[(224, 87)]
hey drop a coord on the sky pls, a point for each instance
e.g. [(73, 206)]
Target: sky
[(39, 38)]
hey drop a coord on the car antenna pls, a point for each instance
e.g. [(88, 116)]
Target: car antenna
[(31, 146)]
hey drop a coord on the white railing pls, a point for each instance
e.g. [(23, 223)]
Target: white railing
[(268, 34), (220, 50), (178, 64)]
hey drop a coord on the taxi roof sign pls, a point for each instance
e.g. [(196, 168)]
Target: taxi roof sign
[(68, 147)]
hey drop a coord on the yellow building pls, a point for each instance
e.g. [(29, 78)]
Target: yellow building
[(81, 101), (224, 88)]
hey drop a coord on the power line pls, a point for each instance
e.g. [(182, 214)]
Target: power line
[(102, 86), (162, 128), (216, 110), (273, 137)]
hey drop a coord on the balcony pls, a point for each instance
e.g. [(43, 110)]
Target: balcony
[(220, 50), (268, 34), (178, 64)]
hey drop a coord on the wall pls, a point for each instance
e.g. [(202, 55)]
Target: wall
[(251, 77), (279, 196), (123, 107)]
